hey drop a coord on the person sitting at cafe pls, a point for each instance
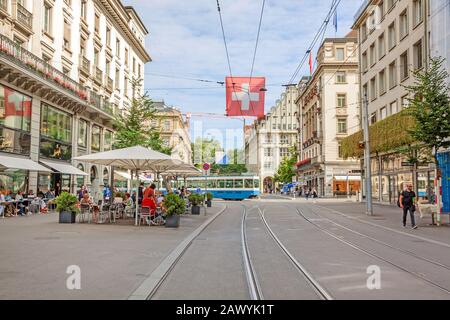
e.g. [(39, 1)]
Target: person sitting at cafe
[(2, 203), (86, 200), (10, 209), (50, 196), (20, 205), (129, 203)]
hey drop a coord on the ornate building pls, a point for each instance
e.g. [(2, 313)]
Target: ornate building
[(65, 70), (328, 111)]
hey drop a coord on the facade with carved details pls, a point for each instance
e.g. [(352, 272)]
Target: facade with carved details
[(65, 70), (328, 111)]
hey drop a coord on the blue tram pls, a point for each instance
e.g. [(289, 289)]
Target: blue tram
[(225, 187)]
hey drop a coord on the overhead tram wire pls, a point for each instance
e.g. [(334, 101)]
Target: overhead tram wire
[(225, 44), (255, 51), (321, 30)]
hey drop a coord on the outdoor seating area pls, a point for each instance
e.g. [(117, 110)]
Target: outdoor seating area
[(12, 205)]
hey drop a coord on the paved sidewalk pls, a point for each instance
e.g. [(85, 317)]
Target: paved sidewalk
[(114, 259), (390, 217)]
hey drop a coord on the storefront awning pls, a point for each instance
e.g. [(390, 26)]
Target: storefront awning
[(21, 164), (127, 176), (350, 178), (64, 168)]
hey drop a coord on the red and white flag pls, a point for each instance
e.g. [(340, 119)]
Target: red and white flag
[(245, 98)]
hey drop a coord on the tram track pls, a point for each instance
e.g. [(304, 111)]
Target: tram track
[(255, 289), (375, 255)]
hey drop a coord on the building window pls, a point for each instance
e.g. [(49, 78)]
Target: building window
[(373, 118), (67, 34), (393, 108), (342, 126), (82, 133), (107, 140), (381, 46), (340, 54), (404, 68), (364, 62), (108, 36), (126, 57), (405, 102), (341, 77), (364, 31), (134, 65), (418, 55), (373, 55), (284, 139), (83, 9), (373, 89), (125, 86), (383, 113), (392, 74), (404, 26), (392, 36), (268, 152), (417, 12), (97, 23), (268, 165), (47, 18), (284, 152), (117, 79), (15, 121), (96, 135), (56, 133), (341, 100), (382, 82), (167, 125), (117, 48)]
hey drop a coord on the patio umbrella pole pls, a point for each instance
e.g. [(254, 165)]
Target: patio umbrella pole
[(137, 200)]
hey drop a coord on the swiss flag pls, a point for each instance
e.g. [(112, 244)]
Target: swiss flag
[(245, 98)]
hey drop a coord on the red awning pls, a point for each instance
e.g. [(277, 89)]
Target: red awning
[(303, 162)]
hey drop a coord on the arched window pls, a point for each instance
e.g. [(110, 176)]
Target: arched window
[(93, 173), (105, 176)]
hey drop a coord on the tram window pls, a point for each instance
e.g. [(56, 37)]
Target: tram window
[(248, 184), (256, 183), (191, 184), (238, 184), (229, 184), (201, 184), (212, 184), (221, 184)]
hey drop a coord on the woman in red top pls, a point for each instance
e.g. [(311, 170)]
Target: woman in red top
[(149, 198)]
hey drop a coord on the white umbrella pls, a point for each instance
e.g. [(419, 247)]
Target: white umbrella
[(134, 158)]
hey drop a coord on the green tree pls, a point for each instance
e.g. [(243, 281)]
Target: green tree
[(286, 170), (204, 150), (430, 106), (133, 125)]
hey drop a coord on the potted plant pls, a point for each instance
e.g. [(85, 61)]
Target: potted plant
[(66, 205), (175, 206), (195, 200), (209, 197)]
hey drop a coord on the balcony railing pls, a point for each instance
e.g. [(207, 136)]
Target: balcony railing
[(25, 59), (4, 5), (98, 75), (85, 65), (24, 16)]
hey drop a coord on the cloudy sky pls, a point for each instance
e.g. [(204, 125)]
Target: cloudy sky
[(185, 41)]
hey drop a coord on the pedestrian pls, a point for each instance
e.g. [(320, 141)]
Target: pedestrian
[(314, 193), (140, 193), (307, 193), (407, 202)]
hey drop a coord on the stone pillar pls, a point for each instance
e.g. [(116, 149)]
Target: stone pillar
[(35, 140)]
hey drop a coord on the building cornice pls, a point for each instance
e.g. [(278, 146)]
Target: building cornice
[(121, 16)]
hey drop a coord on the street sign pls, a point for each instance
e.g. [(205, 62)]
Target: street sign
[(407, 164), (206, 166)]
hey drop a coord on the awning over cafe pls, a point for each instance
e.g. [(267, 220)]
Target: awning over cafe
[(21, 164), (64, 168)]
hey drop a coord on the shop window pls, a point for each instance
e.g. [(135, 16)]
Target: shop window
[(96, 133), (14, 181), (56, 133)]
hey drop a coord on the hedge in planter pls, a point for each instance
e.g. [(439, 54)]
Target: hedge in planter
[(175, 206), (66, 205), (195, 200)]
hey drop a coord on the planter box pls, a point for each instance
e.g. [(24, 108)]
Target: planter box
[(195, 210), (173, 221), (209, 203), (67, 217)]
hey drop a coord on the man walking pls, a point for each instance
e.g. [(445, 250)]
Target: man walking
[(408, 202)]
